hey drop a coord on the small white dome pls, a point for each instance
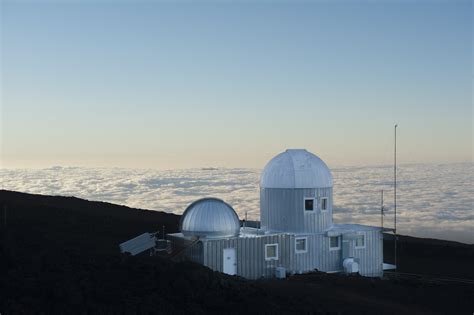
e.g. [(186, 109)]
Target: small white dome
[(211, 218), (296, 169)]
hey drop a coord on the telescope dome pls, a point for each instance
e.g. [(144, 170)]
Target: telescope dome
[(210, 218), (296, 168)]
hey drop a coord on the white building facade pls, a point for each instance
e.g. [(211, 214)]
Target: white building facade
[(296, 232)]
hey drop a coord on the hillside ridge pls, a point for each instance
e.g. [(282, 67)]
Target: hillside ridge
[(60, 255)]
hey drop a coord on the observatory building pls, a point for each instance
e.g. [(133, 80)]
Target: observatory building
[(296, 232)]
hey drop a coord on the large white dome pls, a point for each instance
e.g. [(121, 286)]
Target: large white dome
[(210, 217), (296, 169)]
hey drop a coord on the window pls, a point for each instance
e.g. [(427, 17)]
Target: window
[(334, 243), (271, 252), (324, 203), (360, 241), (301, 245), (308, 204)]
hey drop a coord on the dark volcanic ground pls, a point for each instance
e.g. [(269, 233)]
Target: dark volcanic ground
[(60, 255)]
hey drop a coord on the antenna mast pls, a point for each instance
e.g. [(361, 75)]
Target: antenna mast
[(381, 211), (395, 194)]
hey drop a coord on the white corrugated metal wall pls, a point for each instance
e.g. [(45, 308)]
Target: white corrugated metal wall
[(251, 261), (282, 209), (371, 256), (250, 252)]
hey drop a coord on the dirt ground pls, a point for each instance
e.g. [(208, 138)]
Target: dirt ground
[(59, 255)]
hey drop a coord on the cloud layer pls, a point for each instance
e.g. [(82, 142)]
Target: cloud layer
[(433, 200)]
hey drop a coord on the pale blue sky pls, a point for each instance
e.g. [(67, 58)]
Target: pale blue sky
[(228, 83)]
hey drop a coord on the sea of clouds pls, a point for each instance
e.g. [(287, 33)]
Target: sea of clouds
[(434, 200)]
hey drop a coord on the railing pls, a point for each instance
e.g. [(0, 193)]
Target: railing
[(182, 250)]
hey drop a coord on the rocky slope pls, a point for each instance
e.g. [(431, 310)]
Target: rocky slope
[(60, 255)]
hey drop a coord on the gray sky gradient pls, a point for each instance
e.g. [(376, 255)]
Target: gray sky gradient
[(165, 85)]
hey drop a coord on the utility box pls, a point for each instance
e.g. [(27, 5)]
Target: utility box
[(280, 272), (138, 244)]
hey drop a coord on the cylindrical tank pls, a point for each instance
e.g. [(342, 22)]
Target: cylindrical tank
[(296, 193)]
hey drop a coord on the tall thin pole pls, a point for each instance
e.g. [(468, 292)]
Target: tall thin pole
[(381, 211), (395, 194)]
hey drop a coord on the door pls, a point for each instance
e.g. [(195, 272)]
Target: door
[(230, 263), (345, 249)]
